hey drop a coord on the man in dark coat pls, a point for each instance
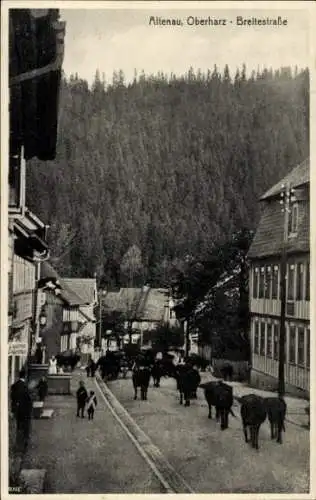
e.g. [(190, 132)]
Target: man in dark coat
[(81, 399), (21, 407)]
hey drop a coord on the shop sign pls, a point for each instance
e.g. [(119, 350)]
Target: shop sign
[(18, 349)]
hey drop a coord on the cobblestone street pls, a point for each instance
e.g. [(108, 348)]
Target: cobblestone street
[(99, 457)]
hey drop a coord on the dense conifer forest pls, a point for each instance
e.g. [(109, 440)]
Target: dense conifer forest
[(166, 165)]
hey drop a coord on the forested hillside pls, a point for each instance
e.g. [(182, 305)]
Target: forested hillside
[(172, 165)]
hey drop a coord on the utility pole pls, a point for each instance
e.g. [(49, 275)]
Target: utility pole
[(101, 294), (287, 197), (187, 337), (100, 319)]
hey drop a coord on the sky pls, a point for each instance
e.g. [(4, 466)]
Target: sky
[(112, 39)]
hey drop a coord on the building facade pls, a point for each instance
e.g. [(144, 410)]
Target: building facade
[(33, 80), (60, 311), (86, 290), (275, 230), (144, 309), (25, 247)]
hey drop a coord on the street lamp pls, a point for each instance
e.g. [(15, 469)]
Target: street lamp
[(287, 198)]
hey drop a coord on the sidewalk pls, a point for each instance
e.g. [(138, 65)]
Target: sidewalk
[(295, 406), (81, 456)]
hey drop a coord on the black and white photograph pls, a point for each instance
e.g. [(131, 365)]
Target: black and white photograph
[(156, 220)]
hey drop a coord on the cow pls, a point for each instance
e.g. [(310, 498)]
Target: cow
[(219, 395), (140, 378), (188, 380), (196, 380), (276, 411), (253, 414)]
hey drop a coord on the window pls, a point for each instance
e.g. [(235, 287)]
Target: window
[(262, 338), (255, 282), (300, 346), (275, 282), (307, 282), (292, 346), (307, 347), (256, 338), (261, 283), (269, 340), (267, 288), (290, 282), (276, 341), (293, 219), (299, 281)]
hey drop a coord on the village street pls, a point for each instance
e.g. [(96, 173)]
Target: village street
[(188, 450), (211, 460), (82, 456)]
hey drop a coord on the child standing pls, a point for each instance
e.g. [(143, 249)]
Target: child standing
[(81, 399), (91, 405)]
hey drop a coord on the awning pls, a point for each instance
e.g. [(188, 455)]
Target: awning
[(36, 48), (38, 244)]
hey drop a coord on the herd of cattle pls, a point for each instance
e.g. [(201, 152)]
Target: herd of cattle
[(253, 409)]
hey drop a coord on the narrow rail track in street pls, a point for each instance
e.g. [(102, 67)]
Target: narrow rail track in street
[(171, 481)]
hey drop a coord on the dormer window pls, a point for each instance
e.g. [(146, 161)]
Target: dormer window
[(293, 219)]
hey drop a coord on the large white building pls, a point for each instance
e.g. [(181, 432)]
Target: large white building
[(265, 298)]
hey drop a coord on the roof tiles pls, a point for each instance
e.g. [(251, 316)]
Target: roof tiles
[(269, 237), (297, 177), (83, 287)]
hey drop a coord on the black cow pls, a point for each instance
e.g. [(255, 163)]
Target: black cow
[(109, 366), (276, 410), (140, 378), (196, 380), (188, 380), (68, 359), (253, 414), (219, 395)]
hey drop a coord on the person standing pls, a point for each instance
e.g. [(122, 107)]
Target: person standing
[(91, 405), (52, 368), (21, 407), (81, 399)]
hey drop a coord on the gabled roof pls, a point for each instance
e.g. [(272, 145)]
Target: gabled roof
[(83, 287), (129, 299), (299, 176), (268, 240), (144, 304), (48, 272), (153, 307)]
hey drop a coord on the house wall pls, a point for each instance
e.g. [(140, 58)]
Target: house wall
[(22, 294), (265, 306), (265, 349), (264, 282)]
